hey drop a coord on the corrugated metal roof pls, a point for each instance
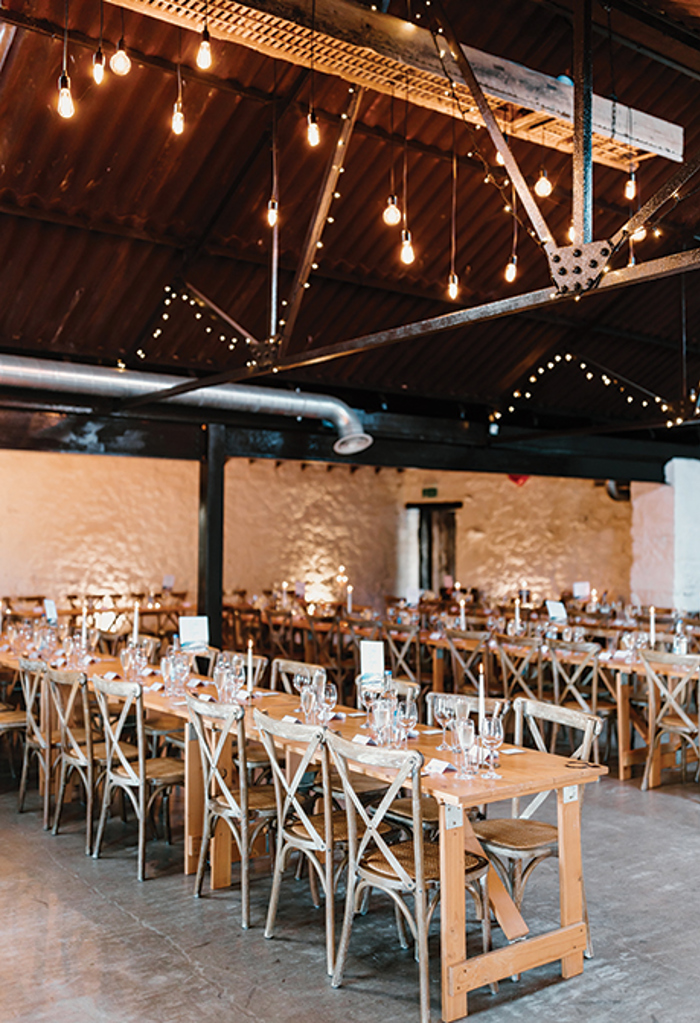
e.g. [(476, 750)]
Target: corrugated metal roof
[(102, 212)]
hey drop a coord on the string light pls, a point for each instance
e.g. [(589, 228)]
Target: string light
[(204, 51), (272, 212), (511, 271), (392, 214), (572, 233), (543, 186), (640, 234), (453, 279), (65, 100), (313, 135), (407, 252), (178, 121), (119, 61), (631, 185), (98, 58)]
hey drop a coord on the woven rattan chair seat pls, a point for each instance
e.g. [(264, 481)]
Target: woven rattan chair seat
[(403, 808), (375, 861), (12, 719), (164, 770), (261, 800), (675, 723), (163, 723), (516, 834), (340, 826)]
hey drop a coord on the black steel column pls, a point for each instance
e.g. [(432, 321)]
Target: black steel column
[(211, 529)]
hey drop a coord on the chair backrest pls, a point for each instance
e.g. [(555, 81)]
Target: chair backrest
[(519, 659), (130, 695), (259, 665), (467, 651), (402, 642), (403, 769), (472, 702), (308, 742), (202, 658), (280, 628), (672, 680), (535, 713), (356, 630), (69, 698), (31, 676), (215, 725), (283, 671), (575, 672)]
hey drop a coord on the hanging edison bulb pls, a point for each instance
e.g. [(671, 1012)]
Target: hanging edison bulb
[(98, 66), (640, 234), (511, 271), (313, 135), (392, 213), (65, 100), (499, 158), (453, 285), (204, 51), (178, 121), (407, 253), (272, 212), (631, 186), (572, 233), (119, 61), (543, 186)]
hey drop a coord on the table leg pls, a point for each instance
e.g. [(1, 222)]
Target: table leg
[(438, 670), (622, 691), (194, 800), (453, 937), (506, 912), (570, 870)]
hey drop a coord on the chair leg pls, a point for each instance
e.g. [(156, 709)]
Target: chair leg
[(106, 794), (23, 778), (422, 948), (342, 953), (59, 797), (400, 927), (203, 852), (89, 801), (275, 892), (143, 813), (245, 876), (47, 766)]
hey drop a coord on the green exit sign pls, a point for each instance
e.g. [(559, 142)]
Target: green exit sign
[(430, 491)]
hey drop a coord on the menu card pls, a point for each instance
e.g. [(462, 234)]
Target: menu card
[(194, 630), (372, 657)]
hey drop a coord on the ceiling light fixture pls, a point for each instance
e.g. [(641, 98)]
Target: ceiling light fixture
[(453, 279), (98, 58), (543, 186), (313, 135), (65, 100), (408, 254), (178, 121), (392, 214), (119, 61), (204, 51)]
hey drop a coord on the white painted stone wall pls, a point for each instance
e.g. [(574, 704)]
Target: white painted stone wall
[(89, 523), (82, 522)]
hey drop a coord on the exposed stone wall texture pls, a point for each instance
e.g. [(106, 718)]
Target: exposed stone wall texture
[(90, 523), (651, 579), (83, 522), (544, 535)]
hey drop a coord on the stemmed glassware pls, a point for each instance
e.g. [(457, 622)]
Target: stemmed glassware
[(443, 715), (308, 702), (466, 739), (492, 739), (328, 699), (370, 690), (406, 718), (301, 679), (382, 719), (238, 674)]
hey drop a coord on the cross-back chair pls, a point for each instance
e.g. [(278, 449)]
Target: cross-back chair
[(576, 678), (139, 778), (673, 688), (37, 742), (406, 869), (467, 651), (246, 810), (283, 671), (403, 645), (314, 835), (517, 844), (519, 659), (280, 634), (322, 644), (260, 663)]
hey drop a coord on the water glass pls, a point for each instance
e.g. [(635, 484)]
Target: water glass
[(466, 740), (492, 739), (308, 703), (406, 718)]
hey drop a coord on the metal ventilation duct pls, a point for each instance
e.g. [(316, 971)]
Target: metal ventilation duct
[(98, 381)]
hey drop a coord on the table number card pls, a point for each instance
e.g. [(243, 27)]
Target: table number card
[(50, 612), (194, 630), (371, 657)]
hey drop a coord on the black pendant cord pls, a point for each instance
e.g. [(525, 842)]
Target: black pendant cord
[(684, 341), (65, 40), (405, 161), (392, 174), (453, 219)]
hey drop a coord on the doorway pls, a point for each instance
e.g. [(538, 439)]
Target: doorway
[(437, 530)]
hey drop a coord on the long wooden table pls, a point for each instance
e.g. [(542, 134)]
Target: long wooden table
[(523, 774)]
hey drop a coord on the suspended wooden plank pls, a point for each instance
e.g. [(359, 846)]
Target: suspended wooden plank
[(374, 50)]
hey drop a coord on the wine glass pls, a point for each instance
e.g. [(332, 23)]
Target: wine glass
[(328, 700), (308, 702), (238, 674), (301, 679), (459, 707), (443, 715), (370, 691), (381, 713), (166, 671), (466, 738), (492, 738), (407, 718)]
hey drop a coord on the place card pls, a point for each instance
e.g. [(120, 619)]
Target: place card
[(413, 734), (339, 715), (431, 731), (363, 740), (153, 688), (109, 676), (150, 671), (194, 682), (436, 766), (510, 752), (207, 697), (291, 719), (356, 714)]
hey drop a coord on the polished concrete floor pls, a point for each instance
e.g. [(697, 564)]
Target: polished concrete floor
[(84, 942)]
